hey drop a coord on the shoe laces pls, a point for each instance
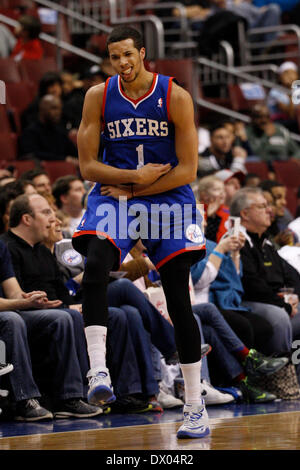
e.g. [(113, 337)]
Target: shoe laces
[(192, 418), (95, 378), (32, 403)]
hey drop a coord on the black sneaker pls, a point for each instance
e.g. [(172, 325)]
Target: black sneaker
[(5, 368), (173, 359), (31, 410), (257, 365), (253, 394), (130, 404), (76, 408)]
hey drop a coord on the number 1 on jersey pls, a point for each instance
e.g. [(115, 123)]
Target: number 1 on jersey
[(140, 151)]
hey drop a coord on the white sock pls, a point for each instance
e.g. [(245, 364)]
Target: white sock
[(192, 384), (96, 345)]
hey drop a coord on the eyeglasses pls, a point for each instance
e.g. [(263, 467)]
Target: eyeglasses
[(260, 206)]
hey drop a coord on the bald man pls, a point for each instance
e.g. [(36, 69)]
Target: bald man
[(46, 138)]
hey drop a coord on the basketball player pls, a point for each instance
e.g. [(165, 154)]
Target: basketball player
[(150, 157)]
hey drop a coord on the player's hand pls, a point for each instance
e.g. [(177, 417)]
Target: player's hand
[(149, 173), (116, 191)]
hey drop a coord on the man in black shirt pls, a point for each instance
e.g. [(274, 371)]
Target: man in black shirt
[(46, 138), (30, 220), (36, 268), (265, 273)]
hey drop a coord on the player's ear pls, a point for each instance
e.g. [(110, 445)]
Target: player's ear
[(142, 53)]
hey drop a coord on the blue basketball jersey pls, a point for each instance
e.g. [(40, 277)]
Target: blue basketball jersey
[(137, 132)]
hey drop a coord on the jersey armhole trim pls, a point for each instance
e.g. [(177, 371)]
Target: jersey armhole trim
[(104, 98), (169, 97)]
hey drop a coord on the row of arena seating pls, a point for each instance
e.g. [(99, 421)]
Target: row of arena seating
[(55, 169)]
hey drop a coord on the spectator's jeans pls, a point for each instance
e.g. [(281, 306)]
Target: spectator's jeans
[(221, 337), (128, 352), (121, 355), (80, 345), (42, 340), (142, 345), (124, 292), (259, 18), (281, 340)]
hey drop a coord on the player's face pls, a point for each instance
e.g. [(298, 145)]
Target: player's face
[(126, 59)]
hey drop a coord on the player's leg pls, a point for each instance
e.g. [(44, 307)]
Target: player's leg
[(102, 257), (175, 281)]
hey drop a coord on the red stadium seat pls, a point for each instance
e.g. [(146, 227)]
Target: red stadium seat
[(4, 120), (240, 101), (8, 146), (287, 172), (259, 168), (33, 70), (19, 95), (182, 69), (9, 71), (22, 166), (55, 169)]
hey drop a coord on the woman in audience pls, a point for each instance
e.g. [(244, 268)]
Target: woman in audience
[(28, 44)]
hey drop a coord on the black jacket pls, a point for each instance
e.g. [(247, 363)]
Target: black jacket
[(46, 142), (265, 272)]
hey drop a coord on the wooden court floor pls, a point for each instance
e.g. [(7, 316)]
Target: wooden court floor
[(273, 431)]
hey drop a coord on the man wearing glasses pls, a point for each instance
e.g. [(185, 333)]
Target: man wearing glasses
[(265, 273)]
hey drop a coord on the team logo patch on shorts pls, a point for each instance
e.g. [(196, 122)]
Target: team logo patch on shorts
[(194, 234), (72, 257)]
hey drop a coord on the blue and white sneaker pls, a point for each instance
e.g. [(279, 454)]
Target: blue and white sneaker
[(195, 424), (100, 389)]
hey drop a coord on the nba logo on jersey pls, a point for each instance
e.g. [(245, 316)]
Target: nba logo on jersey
[(159, 102)]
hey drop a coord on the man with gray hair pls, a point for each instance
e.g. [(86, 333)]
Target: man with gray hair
[(265, 273)]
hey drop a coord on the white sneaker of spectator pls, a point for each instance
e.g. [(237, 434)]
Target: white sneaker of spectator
[(167, 400), (212, 396)]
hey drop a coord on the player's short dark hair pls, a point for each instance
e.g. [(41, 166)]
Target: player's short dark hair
[(120, 33), (62, 186), (20, 206)]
